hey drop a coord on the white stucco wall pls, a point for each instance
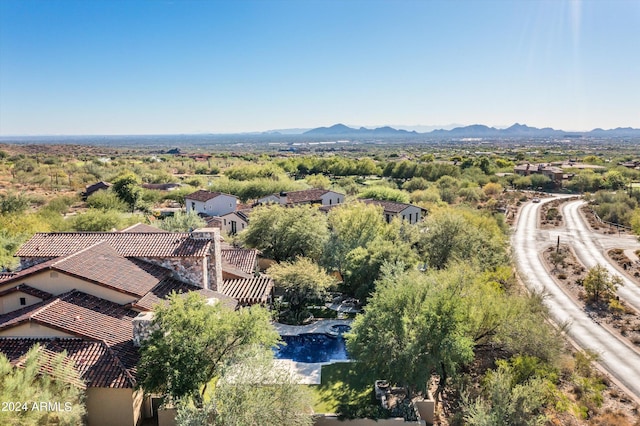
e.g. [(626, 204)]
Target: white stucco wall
[(10, 302), (218, 206), (332, 198)]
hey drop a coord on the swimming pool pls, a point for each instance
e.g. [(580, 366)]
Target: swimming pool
[(312, 348)]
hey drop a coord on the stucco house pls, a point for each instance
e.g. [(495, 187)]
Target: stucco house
[(84, 292), (323, 197), (210, 203), (234, 222), (409, 212)]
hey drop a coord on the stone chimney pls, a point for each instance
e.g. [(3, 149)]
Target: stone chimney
[(142, 328), (212, 267)]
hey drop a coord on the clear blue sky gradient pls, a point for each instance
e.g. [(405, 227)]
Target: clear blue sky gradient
[(156, 67)]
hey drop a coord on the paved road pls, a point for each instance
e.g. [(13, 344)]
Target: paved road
[(591, 250), (618, 359)]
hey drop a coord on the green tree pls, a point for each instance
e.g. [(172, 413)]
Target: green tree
[(106, 200), (42, 376), (95, 220), (384, 193), (127, 186), (508, 401), (253, 391), (318, 181), (451, 235), (182, 222), (285, 233), (192, 340), (413, 326), (303, 281), (13, 203), (600, 284)]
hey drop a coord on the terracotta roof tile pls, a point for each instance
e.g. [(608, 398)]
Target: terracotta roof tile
[(23, 288), (168, 285), (249, 291), (100, 263), (141, 227), (80, 314), (97, 365), (128, 244), (202, 195), (244, 259), (389, 206), (305, 196)]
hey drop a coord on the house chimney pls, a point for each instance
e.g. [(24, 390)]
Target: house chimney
[(142, 328)]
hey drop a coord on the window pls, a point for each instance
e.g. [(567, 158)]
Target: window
[(193, 205), (330, 201), (23, 301), (388, 218)]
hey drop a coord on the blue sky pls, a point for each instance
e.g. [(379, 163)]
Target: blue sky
[(163, 67)]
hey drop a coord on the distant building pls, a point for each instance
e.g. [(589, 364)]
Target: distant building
[(210, 203), (409, 212), (91, 189), (161, 186), (323, 197), (554, 173)]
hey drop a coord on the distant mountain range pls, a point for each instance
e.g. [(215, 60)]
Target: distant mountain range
[(473, 131)]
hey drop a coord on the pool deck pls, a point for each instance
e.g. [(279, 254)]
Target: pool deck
[(308, 373), (318, 327)]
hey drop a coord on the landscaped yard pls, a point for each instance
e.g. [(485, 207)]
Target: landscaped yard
[(346, 391)]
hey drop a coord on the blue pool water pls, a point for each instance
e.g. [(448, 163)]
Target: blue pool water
[(312, 348)]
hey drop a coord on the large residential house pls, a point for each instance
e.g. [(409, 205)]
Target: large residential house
[(209, 203), (85, 293), (323, 197), (409, 212), (556, 174)]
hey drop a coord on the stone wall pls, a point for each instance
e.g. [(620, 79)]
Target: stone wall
[(188, 269), (142, 327)]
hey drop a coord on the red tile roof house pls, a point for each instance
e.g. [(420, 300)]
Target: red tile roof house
[(91, 293)]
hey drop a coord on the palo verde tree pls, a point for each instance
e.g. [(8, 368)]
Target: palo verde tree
[(599, 284), (285, 233), (192, 341)]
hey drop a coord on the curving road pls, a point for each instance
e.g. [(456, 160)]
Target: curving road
[(591, 250), (622, 362)]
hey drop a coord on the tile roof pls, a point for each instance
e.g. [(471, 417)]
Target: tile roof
[(244, 259), (202, 195), (141, 227), (305, 196), (249, 291), (165, 287), (95, 362), (23, 288), (128, 244), (79, 314), (101, 264), (389, 206)]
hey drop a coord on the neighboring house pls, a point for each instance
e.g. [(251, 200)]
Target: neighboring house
[(323, 197), (210, 203), (91, 189), (234, 222), (82, 292), (409, 212), (555, 174)]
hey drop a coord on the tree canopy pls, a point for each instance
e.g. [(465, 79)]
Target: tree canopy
[(193, 339), (285, 233)]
